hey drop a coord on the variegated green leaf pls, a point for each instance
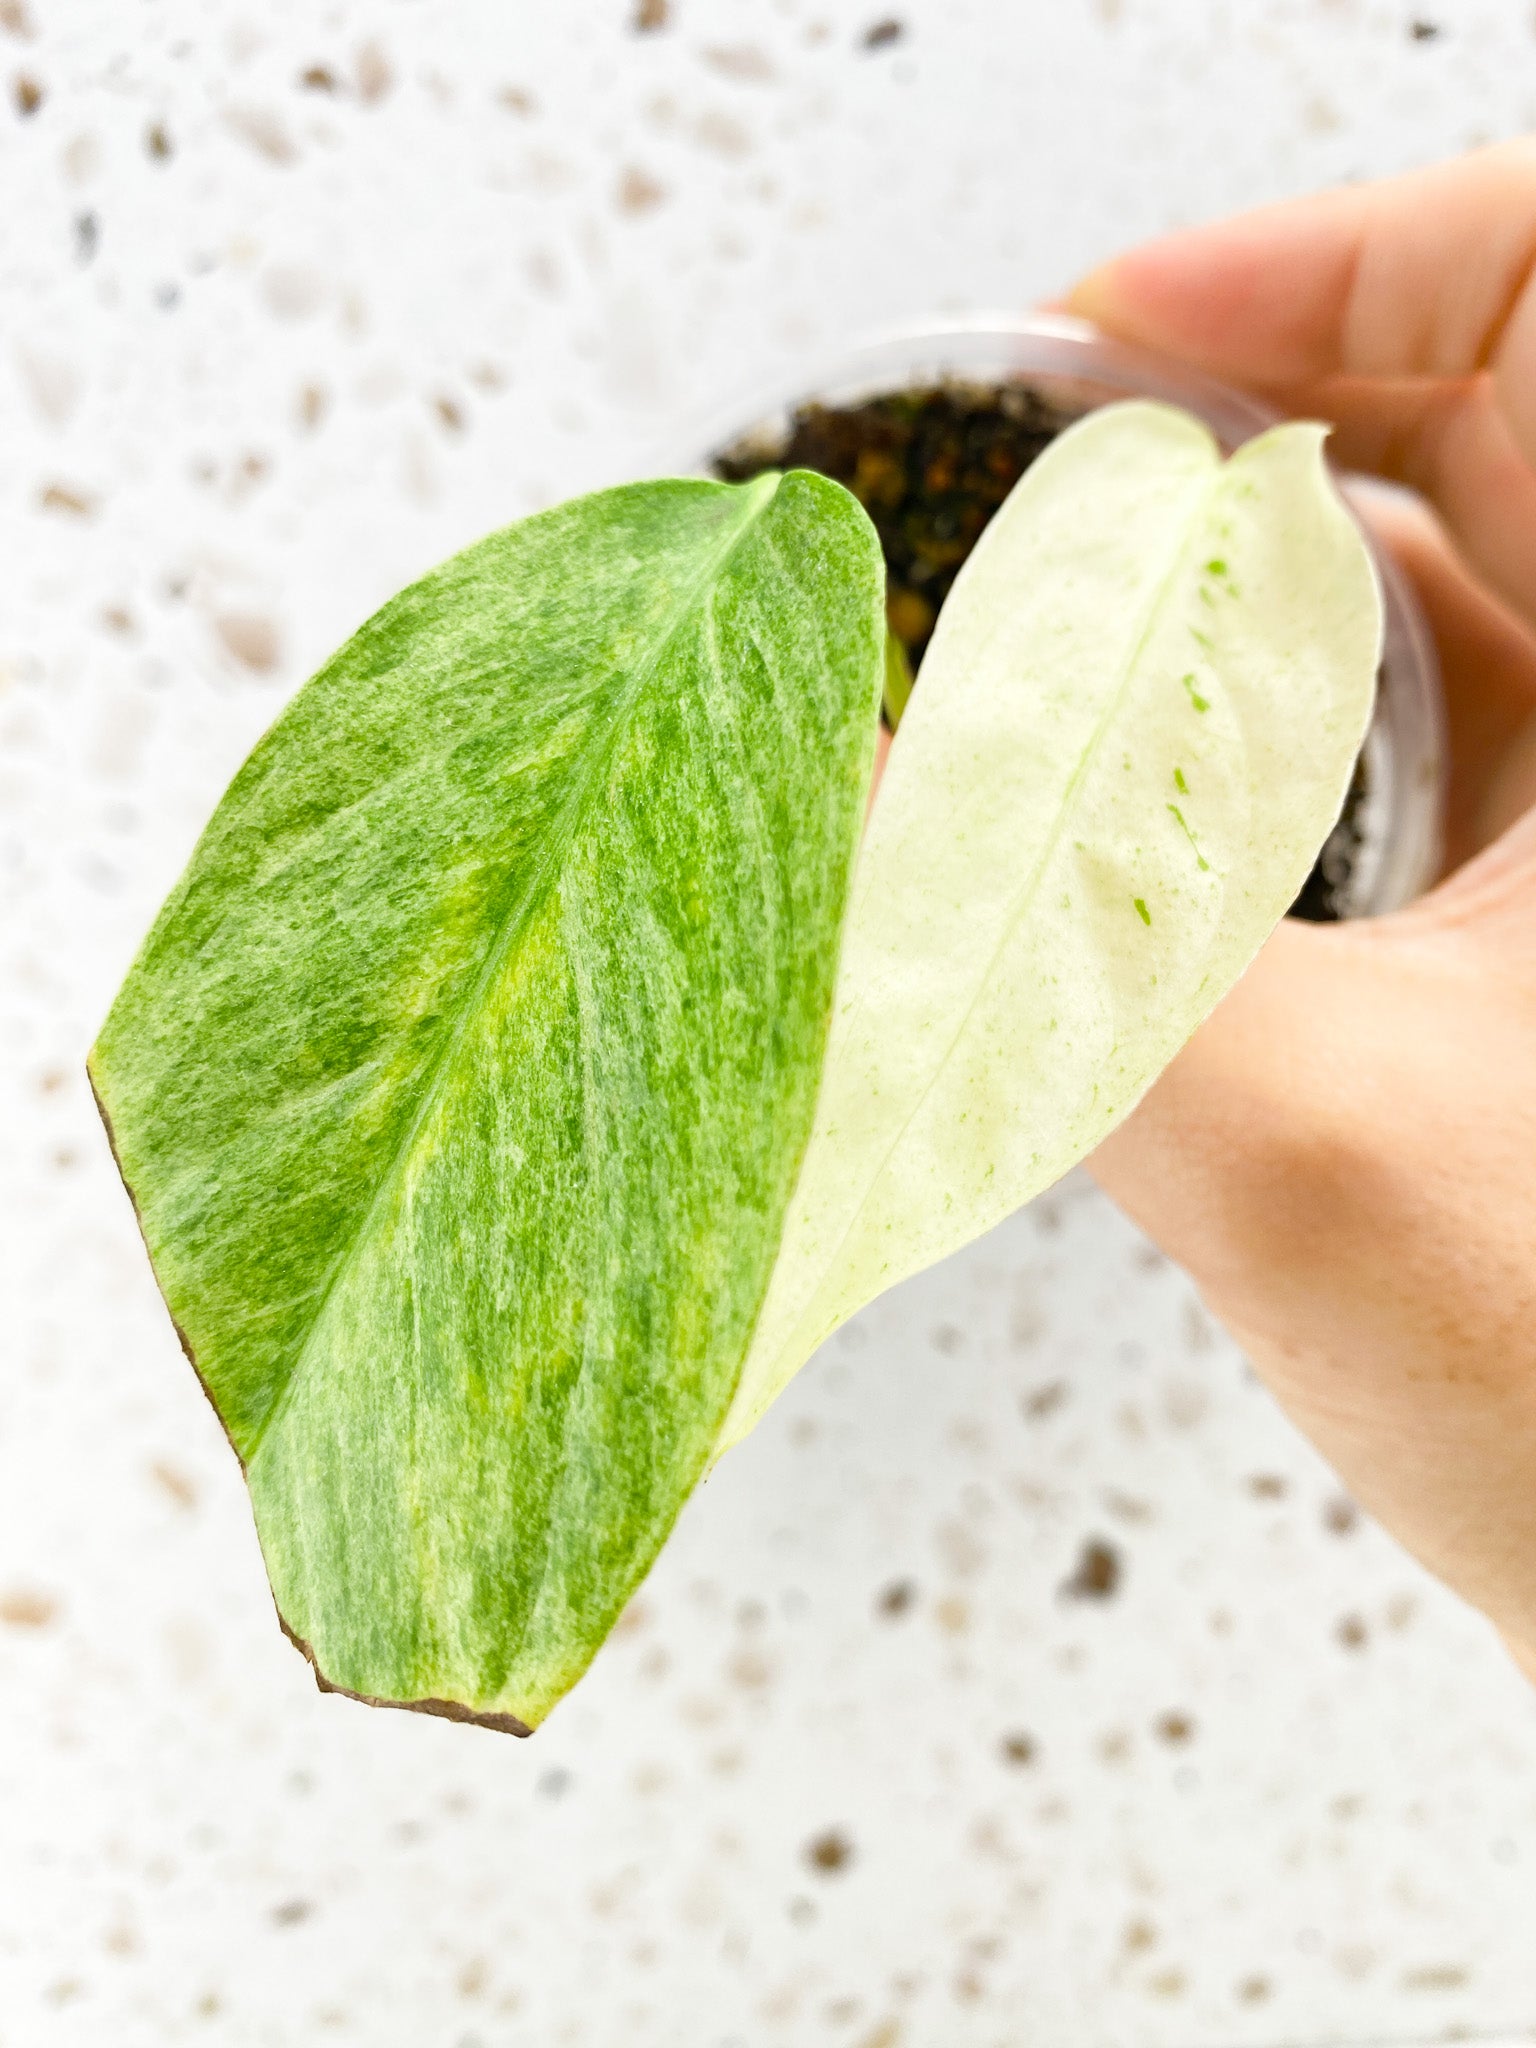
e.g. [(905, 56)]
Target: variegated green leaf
[(463, 1081)]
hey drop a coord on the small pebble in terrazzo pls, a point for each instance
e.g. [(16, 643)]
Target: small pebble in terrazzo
[(253, 641), (1043, 1401), (1422, 31), (1174, 1728), (1126, 1507), (157, 143), (742, 61), (829, 1852), (292, 1912), (880, 35), (1199, 1330), (319, 78), (953, 1615), (1352, 1632), (1026, 1322), (262, 132), (1401, 1610), (1341, 1517), (375, 74), (895, 1599), (636, 1617), (554, 1784), (749, 1671), (1019, 1749), (1436, 1977), (313, 403), (651, 15), (638, 191), (1097, 1574), (1139, 1936), (87, 237), (15, 19), (1253, 1990), (174, 1483), (1268, 1486), (67, 498), (23, 1607), (718, 132), (28, 94)]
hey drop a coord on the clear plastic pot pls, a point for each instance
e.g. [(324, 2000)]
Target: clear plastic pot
[(1392, 849)]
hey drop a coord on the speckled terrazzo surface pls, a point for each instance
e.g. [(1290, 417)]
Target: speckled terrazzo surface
[(1024, 1681)]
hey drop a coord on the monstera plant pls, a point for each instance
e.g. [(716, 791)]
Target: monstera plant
[(538, 1058)]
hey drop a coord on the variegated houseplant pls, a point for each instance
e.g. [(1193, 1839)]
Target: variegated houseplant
[(538, 1059)]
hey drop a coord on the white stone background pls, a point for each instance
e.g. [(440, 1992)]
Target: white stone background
[(269, 345)]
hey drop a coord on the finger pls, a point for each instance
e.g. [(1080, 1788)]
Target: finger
[(1452, 442), (1213, 1157), (1430, 275), (882, 755), (1488, 664)]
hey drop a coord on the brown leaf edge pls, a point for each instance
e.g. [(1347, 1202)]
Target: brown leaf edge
[(447, 1710)]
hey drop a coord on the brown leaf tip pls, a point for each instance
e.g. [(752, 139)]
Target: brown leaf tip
[(446, 1710)]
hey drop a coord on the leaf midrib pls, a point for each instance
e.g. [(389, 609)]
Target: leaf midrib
[(757, 496)]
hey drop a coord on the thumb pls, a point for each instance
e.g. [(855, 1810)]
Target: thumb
[(1351, 1070), (1227, 1147), (1340, 1158)]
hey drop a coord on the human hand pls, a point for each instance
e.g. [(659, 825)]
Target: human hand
[(1344, 1157)]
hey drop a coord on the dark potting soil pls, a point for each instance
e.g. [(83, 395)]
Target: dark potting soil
[(930, 466)]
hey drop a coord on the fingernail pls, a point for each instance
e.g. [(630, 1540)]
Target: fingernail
[(1094, 297)]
